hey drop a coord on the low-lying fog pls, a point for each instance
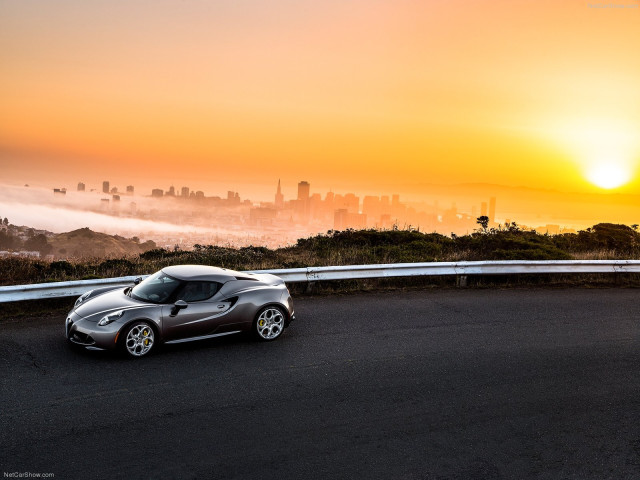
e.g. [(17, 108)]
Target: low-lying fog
[(41, 209)]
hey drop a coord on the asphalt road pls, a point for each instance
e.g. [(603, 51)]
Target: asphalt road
[(416, 385)]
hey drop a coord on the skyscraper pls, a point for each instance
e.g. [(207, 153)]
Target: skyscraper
[(385, 205), (302, 205), (492, 209), (303, 191), (279, 201), (81, 187), (105, 187), (352, 203)]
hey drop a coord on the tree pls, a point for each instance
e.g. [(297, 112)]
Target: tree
[(6, 221), (512, 227), (38, 243), (8, 241), (483, 221)]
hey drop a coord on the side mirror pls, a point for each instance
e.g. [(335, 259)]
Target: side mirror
[(137, 280), (179, 305)]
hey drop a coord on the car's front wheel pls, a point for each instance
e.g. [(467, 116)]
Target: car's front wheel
[(138, 339), (269, 323)]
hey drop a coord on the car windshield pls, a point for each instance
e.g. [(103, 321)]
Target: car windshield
[(156, 289)]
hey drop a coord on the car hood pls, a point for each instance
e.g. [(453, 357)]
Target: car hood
[(99, 306)]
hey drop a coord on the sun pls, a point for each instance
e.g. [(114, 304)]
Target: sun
[(608, 175), (605, 148)]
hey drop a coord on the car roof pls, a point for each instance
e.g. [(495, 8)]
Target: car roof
[(203, 273)]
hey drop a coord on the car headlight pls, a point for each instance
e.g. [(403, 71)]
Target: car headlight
[(112, 317), (81, 299)]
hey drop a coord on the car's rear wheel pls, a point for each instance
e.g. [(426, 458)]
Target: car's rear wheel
[(269, 323), (138, 339)]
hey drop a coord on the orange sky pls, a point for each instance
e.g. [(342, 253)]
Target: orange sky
[(367, 95)]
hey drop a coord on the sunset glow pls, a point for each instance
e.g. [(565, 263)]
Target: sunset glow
[(607, 149), (372, 97), (608, 175)]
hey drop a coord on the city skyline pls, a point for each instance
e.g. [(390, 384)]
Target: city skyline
[(307, 212), (390, 96), (443, 209)]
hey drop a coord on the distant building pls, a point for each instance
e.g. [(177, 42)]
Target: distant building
[(352, 203), (315, 206), (303, 191), (105, 186), (114, 190), (184, 192), (302, 204), (279, 200), (81, 187), (344, 219), (157, 192), (115, 198), (385, 205), (329, 202), (492, 209), (130, 189), (340, 219), (261, 216), (398, 210), (385, 221), (59, 191), (21, 253), (171, 192), (233, 198), (372, 209)]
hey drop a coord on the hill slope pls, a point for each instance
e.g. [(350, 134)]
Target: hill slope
[(87, 243)]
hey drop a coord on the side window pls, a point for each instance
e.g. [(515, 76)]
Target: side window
[(197, 291)]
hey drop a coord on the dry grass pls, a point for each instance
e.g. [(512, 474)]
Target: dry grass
[(603, 254), (604, 242)]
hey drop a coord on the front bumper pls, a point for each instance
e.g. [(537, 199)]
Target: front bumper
[(88, 334)]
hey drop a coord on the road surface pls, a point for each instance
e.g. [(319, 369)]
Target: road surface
[(513, 383)]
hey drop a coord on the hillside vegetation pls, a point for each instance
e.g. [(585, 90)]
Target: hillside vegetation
[(80, 243), (349, 247), (87, 243)]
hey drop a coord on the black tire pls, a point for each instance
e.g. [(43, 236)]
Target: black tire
[(137, 339), (269, 323)]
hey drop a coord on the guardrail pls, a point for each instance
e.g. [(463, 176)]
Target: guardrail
[(36, 291)]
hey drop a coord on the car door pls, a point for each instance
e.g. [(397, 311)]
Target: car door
[(200, 317)]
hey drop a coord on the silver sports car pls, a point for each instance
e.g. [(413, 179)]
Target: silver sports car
[(180, 304)]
